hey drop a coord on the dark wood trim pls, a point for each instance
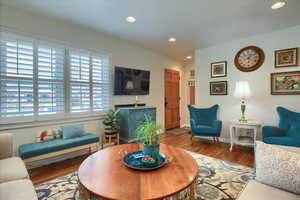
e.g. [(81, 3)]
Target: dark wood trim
[(291, 65), (212, 82), (211, 70), (282, 93), (255, 67)]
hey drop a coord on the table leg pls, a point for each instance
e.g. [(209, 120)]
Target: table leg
[(255, 134), (193, 189), (85, 194), (232, 130)]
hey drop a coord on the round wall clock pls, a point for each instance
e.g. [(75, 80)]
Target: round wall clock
[(249, 59)]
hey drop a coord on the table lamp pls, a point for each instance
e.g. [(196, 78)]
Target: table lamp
[(242, 90)]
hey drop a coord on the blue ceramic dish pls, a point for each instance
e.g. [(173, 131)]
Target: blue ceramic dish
[(134, 160)]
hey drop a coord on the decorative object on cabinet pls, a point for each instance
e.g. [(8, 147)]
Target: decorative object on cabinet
[(242, 90), (285, 83), (286, 57), (249, 59), (218, 88), (130, 118), (218, 69)]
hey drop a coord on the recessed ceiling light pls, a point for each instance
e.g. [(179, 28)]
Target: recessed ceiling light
[(278, 5), (189, 57), (172, 39), (130, 19)]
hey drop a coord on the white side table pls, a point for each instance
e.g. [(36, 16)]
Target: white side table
[(235, 138)]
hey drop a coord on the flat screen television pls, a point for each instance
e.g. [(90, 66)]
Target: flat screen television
[(131, 81)]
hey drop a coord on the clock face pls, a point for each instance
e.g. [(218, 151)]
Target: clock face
[(249, 59)]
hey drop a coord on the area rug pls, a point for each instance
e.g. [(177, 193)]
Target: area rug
[(218, 180)]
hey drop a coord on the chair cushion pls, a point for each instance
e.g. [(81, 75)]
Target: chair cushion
[(72, 131), (277, 167), (258, 191), (12, 169), (205, 129), (40, 148), (17, 190), (288, 141)]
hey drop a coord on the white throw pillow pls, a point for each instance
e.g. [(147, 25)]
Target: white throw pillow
[(277, 167)]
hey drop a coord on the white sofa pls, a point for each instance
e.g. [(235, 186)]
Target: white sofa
[(14, 179), (255, 190)]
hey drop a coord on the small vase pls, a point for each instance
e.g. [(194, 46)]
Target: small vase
[(151, 150)]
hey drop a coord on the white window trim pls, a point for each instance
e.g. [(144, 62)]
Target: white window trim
[(5, 123)]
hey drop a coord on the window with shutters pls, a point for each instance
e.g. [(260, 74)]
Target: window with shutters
[(37, 81), (88, 82)]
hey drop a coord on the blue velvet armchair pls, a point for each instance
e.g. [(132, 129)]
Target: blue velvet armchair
[(288, 132), (204, 122)]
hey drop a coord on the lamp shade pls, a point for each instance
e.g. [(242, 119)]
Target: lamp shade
[(242, 89)]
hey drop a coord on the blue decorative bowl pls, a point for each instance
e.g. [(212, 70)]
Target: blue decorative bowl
[(134, 160)]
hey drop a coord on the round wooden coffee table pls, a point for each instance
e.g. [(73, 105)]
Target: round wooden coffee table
[(103, 175)]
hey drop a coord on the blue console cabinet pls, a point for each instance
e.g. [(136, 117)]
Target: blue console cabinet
[(130, 118)]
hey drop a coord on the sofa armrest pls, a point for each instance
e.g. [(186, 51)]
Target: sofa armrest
[(6, 145), (272, 131)]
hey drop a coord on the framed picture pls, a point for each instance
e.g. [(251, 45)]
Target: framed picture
[(218, 88), (286, 57), (285, 83), (218, 69)]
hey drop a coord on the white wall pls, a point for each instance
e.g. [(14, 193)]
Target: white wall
[(122, 53), (262, 105)]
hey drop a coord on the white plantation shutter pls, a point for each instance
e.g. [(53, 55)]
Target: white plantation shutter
[(79, 81), (100, 83), (50, 80), (38, 82), (16, 73)]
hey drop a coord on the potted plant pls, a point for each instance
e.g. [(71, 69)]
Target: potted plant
[(111, 122), (148, 134)]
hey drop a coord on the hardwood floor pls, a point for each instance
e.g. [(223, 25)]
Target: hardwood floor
[(241, 155)]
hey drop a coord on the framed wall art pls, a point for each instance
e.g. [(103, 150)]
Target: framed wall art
[(286, 57), (218, 88), (218, 69), (285, 83)]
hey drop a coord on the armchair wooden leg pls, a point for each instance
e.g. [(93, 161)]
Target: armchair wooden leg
[(218, 140)]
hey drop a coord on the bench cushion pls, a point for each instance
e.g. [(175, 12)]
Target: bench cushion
[(40, 148)]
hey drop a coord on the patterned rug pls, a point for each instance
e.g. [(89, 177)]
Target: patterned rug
[(218, 180)]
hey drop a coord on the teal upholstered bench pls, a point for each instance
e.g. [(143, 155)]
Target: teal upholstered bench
[(43, 150)]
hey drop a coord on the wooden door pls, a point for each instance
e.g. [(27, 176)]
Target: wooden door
[(191, 85), (172, 99), (192, 95)]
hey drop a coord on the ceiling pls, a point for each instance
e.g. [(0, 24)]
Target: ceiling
[(194, 23)]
